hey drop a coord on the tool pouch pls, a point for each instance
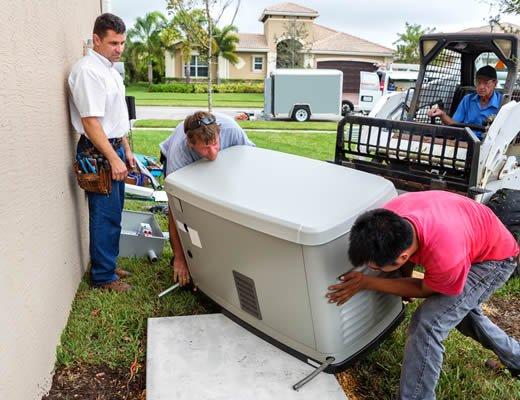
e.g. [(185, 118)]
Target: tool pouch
[(100, 182)]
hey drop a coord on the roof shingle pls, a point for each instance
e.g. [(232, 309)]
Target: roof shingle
[(252, 41), (503, 27), (327, 39), (290, 8)]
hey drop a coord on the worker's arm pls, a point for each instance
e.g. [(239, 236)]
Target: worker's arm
[(406, 272), (180, 266), (129, 154), (97, 136), (355, 281), (445, 118)]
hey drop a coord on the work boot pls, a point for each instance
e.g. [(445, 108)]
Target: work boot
[(116, 286), (122, 273)]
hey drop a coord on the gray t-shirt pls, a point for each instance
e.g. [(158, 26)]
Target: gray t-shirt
[(178, 154)]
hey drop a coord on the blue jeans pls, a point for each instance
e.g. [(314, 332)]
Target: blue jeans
[(105, 213), (439, 314)]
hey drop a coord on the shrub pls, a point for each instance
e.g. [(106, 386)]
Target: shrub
[(235, 87), (172, 88), (200, 88), (239, 88)]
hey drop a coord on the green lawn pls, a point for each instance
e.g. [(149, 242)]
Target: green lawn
[(145, 98), (313, 145), (275, 125), (110, 329)]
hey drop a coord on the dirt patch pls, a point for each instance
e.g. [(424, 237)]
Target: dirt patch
[(505, 312), (97, 383), (349, 383)]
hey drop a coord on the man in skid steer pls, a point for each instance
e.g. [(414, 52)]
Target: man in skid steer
[(466, 253), (201, 136), (475, 108)]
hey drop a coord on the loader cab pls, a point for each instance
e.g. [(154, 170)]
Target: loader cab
[(399, 141), (448, 66)]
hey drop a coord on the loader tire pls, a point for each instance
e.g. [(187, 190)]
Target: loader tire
[(346, 107), (505, 203)]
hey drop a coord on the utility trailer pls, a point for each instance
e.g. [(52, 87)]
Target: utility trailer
[(401, 143), (300, 93)]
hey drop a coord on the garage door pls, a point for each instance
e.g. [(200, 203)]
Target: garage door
[(350, 70)]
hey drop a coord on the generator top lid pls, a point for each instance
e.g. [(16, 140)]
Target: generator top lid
[(298, 199)]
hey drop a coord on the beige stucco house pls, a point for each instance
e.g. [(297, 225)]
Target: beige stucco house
[(322, 48), (503, 27), (44, 217)]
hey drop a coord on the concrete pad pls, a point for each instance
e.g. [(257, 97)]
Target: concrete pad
[(210, 357)]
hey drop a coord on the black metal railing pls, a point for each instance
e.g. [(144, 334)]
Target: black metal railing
[(414, 156), (441, 79)]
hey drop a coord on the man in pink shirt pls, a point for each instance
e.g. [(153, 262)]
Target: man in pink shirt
[(466, 253)]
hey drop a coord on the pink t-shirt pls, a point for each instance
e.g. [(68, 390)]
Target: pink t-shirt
[(453, 232)]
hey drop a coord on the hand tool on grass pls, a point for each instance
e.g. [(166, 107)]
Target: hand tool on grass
[(169, 290)]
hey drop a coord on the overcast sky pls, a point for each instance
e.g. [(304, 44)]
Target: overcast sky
[(375, 20)]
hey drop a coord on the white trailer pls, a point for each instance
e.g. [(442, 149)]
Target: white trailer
[(302, 93)]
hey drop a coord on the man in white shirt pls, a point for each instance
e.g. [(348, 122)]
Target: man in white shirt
[(98, 112), (201, 136)]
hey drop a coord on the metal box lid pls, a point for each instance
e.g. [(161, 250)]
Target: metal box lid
[(294, 198)]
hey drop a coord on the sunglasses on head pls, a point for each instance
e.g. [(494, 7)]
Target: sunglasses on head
[(203, 121)]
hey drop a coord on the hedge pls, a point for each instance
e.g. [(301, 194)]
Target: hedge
[(178, 87)]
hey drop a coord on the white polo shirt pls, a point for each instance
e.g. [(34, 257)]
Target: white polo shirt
[(97, 90)]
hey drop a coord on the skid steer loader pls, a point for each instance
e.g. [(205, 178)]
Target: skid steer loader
[(400, 142)]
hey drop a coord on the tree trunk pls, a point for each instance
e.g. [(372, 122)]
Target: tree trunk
[(187, 73), (219, 81), (150, 73), (210, 57)]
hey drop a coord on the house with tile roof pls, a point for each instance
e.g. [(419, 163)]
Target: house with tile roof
[(495, 27), (322, 47)]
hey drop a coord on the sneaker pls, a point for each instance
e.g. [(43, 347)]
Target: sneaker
[(116, 286), (122, 273)]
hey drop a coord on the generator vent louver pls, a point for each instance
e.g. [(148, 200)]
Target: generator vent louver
[(247, 294)]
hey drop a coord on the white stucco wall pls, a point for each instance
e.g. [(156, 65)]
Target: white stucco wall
[(43, 228)]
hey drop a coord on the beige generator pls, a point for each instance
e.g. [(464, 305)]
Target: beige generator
[(265, 233)]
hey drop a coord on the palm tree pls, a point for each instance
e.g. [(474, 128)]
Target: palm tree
[(146, 41), (133, 63), (225, 42)]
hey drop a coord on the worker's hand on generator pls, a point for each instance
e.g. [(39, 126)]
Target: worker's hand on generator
[(351, 283), (119, 169), (181, 273)]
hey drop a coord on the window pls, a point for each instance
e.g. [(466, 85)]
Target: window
[(258, 63), (198, 68)]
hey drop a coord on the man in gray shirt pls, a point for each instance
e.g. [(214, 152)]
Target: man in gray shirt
[(201, 135)]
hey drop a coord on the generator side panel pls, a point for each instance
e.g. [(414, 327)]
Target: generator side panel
[(345, 330), (257, 277)]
